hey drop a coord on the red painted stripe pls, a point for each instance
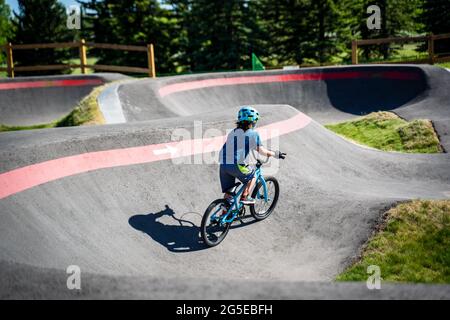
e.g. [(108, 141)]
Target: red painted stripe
[(17, 180), (199, 84), (49, 83)]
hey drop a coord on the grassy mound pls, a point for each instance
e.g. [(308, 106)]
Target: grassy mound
[(386, 131), (411, 246), (87, 112)]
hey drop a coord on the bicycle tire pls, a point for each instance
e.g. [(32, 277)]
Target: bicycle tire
[(207, 239), (265, 214)]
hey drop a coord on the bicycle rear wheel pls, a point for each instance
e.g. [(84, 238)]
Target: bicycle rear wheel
[(213, 232), (262, 209)]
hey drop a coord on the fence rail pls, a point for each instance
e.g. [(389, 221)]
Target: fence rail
[(431, 38), (82, 46), (116, 46)]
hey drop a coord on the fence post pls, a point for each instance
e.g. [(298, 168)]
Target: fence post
[(354, 52), (151, 61), (431, 48), (9, 60), (83, 60)]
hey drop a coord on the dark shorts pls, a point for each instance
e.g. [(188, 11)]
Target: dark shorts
[(229, 173)]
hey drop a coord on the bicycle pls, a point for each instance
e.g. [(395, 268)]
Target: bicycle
[(221, 213)]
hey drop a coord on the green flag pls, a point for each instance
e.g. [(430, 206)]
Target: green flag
[(256, 63)]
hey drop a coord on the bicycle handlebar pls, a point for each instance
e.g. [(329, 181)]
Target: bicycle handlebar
[(259, 162), (265, 161)]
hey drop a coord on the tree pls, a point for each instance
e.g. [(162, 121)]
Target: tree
[(5, 27), (305, 31), (331, 30), (282, 23), (137, 22), (398, 18), (180, 10), (40, 21), (436, 19), (219, 34)]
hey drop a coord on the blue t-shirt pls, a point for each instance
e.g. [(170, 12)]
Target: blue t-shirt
[(238, 146)]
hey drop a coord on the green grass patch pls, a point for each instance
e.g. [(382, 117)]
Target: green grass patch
[(30, 127), (3, 74), (87, 112), (386, 131), (399, 53), (90, 61), (443, 65), (412, 245)]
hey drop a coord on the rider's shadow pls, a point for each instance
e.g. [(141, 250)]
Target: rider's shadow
[(182, 236)]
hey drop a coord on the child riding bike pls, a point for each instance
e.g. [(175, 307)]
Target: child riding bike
[(234, 153)]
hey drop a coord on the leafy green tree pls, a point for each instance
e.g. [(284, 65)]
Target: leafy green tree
[(219, 34), (398, 18), (282, 24), (137, 22), (332, 33), (206, 35), (5, 27), (40, 21), (180, 10), (436, 19), (305, 31)]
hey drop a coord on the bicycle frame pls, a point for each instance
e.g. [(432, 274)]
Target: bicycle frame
[(236, 204)]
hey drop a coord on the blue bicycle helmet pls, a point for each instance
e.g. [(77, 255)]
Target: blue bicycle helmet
[(249, 114)]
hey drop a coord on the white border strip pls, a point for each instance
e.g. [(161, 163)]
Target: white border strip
[(109, 103)]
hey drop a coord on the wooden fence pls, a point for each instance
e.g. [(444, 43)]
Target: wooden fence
[(431, 59), (82, 46)]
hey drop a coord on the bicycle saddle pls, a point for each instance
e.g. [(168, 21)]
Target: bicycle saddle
[(231, 191)]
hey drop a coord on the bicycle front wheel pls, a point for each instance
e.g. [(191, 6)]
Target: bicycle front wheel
[(213, 231), (262, 208)]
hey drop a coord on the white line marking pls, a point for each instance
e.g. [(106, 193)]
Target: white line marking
[(167, 149)]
